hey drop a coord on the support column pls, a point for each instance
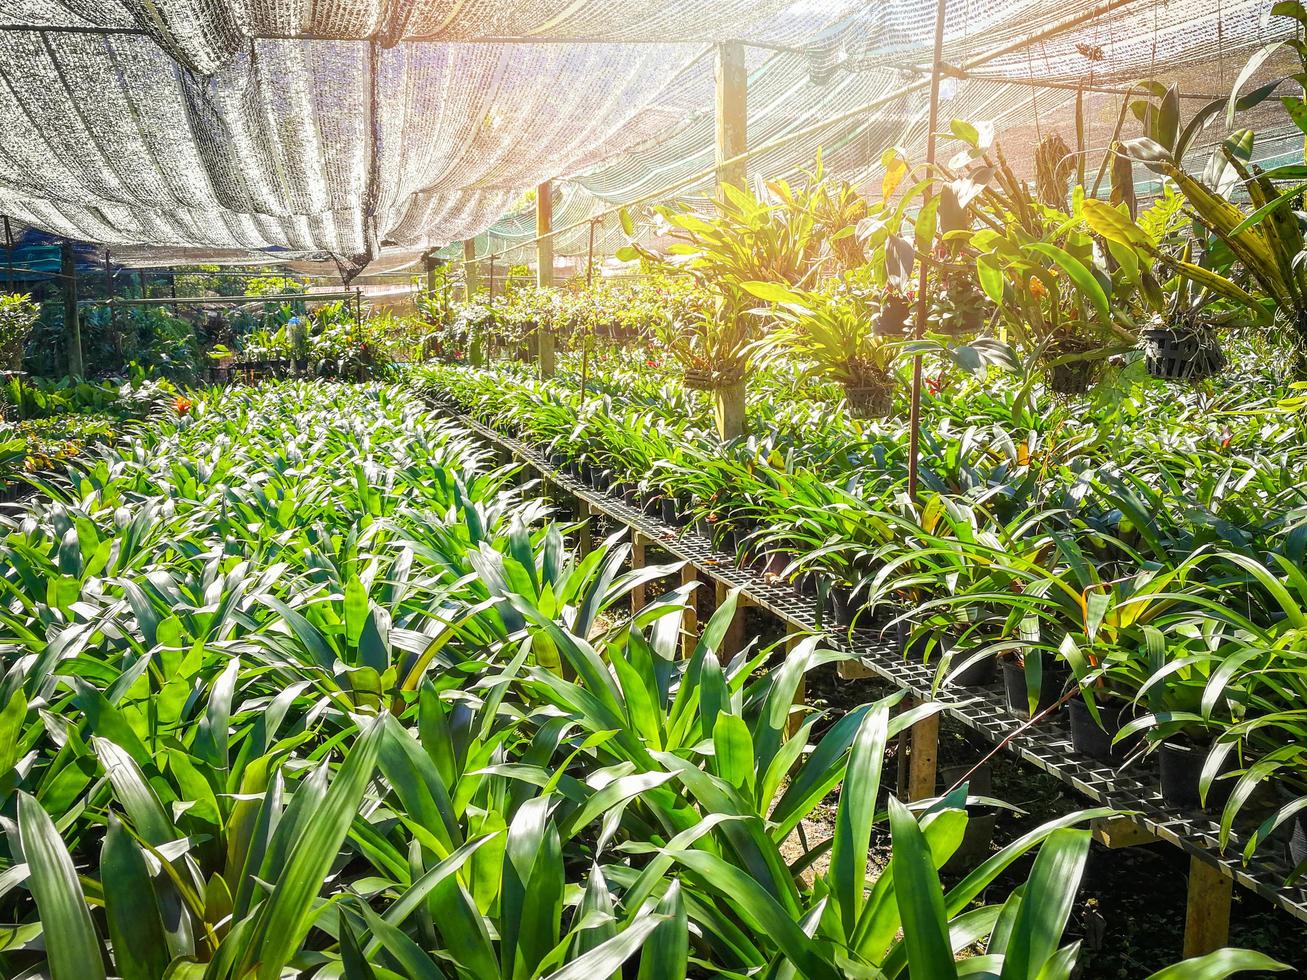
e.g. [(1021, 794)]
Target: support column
[(72, 323), (732, 140), (470, 268), (792, 636), (545, 270), (585, 535), (432, 263), (732, 112), (638, 598), (475, 355), (733, 641), (1207, 910), (923, 758), (690, 623)]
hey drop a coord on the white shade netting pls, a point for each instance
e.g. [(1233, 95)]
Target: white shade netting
[(361, 128)]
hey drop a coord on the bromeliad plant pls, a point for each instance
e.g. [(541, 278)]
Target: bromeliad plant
[(835, 338)]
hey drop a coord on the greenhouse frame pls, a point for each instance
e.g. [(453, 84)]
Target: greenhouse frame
[(573, 488)]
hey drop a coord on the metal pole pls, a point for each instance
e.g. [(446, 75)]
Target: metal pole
[(914, 412)]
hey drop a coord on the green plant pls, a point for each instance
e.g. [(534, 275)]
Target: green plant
[(18, 315)]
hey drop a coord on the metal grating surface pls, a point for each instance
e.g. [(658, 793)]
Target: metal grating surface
[(984, 710)]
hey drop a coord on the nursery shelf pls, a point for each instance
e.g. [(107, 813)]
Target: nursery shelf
[(984, 710)]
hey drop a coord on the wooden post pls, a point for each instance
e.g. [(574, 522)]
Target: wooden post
[(637, 561), (792, 635), (72, 324), (732, 112), (728, 408), (1117, 832), (690, 624), (585, 536), (919, 328), (545, 270), (733, 641), (1207, 911), (470, 284), (475, 350), (732, 140), (922, 758)]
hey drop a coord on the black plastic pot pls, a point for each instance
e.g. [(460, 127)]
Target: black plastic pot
[(976, 673), (1181, 355), (1088, 738), (1298, 838), (1180, 766), (667, 510), (910, 647), (804, 584), (981, 820), (1050, 689), (841, 605)]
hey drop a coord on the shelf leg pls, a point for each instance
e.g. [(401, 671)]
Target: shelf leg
[(638, 598), (792, 636), (584, 534), (923, 757), (1207, 912), (690, 624), (733, 641)]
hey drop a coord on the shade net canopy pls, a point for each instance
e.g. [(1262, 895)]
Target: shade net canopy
[(349, 131)]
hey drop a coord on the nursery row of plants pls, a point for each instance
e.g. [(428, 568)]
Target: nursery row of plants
[(301, 680), (47, 423), (1145, 550)]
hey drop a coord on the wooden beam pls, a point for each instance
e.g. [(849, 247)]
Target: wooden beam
[(470, 283), (1207, 910), (853, 670), (923, 758), (690, 622), (732, 113), (1118, 832), (545, 271), (638, 594), (732, 140), (733, 641), (475, 348), (792, 636), (584, 534), (72, 323)]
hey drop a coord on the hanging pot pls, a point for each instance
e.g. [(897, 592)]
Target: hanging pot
[(1183, 354), (874, 401)]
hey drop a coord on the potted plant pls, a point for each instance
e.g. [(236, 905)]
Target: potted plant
[(833, 334)]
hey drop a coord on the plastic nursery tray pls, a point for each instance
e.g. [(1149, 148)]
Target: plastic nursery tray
[(1046, 745)]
